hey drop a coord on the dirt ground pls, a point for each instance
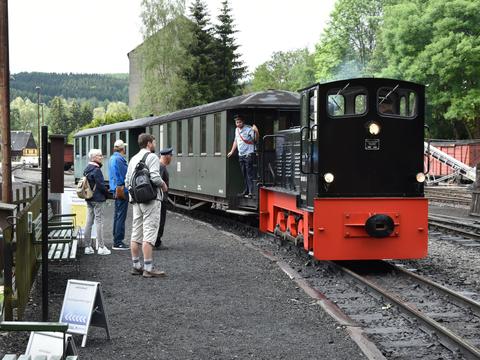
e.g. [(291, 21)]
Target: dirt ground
[(220, 300)]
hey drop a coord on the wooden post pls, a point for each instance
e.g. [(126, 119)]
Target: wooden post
[(5, 105)]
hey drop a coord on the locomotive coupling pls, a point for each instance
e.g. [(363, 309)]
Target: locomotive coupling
[(379, 226)]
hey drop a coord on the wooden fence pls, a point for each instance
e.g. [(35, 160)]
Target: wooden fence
[(19, 255)]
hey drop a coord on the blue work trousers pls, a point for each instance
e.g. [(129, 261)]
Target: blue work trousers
[(119, 217), (248, 171)]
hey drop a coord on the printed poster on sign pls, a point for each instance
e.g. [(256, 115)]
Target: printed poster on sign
[(72, 204), (78, 305)]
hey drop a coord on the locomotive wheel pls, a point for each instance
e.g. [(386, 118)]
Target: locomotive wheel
[(281, 221)]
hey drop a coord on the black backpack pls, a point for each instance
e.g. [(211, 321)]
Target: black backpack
[(141, 188)]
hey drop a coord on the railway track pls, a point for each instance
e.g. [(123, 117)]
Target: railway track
[(442, 313), (452, 196), (464, 227)]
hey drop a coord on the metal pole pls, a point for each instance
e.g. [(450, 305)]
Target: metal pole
[(38, 123), (45, 224), (7, 195)]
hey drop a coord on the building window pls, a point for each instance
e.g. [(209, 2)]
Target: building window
[(203, 134), (217, 130), (84, 146), (190, 136), (179, 137)]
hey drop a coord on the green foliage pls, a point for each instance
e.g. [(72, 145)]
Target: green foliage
[(291, 70), (348, 43), (438, 43), (92, 87), (230, 69)]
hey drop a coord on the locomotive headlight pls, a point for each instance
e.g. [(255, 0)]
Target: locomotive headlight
[(328, 177), (374, 128), (420, 177)]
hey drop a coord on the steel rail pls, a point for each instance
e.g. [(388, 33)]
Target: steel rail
[(473, 236), (449, 338)]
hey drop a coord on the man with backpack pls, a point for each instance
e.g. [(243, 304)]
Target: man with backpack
[(145, 189)]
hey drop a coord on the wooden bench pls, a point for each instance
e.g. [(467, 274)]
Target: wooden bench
[(62, 242), (38, 326), (61, 226)]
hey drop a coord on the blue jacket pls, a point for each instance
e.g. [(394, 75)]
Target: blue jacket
[(117, 170), (95, 179)]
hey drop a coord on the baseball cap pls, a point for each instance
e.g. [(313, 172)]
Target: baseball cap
[(119, 143)]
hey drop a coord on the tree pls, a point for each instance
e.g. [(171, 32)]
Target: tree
[(167, 35), (117, 112), (58, 119), (437, 43), (289, 70), (347, 44), (230, 68), (200, 73)]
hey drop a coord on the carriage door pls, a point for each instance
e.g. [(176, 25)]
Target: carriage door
[(308, 139)]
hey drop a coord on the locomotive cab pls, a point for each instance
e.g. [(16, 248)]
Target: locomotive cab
[(360, 172)]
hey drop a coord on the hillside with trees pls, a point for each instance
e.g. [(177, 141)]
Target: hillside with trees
[(95, 88)]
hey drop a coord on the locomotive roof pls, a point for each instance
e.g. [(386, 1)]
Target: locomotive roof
[(366, 81), (130, 124), (264, 99)]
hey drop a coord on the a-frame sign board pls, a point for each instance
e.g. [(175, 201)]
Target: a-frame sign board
[(83, 306)]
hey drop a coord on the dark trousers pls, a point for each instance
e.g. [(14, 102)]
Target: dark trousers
[(121, 207), (163, 217), (248, 171)]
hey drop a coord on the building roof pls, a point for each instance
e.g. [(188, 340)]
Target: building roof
[(21, 140)]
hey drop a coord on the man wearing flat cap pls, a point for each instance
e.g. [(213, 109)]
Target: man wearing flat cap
[(165, 159), (117, 170)]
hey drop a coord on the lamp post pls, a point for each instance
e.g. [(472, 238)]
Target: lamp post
[(43, 118), (38, 121)]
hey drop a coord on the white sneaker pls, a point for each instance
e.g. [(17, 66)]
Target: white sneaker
[(103, 251), (89, 250)]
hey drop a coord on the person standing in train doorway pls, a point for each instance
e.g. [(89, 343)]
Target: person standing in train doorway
[(165, 160), (117, 170), (245, 138)]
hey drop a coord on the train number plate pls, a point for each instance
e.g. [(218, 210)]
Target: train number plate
[(372, 144)]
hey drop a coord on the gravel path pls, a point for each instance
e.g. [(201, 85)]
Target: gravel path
[(220, 300)]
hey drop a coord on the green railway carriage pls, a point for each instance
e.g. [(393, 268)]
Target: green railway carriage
[(201, 137), (103, 138), (200, 172)]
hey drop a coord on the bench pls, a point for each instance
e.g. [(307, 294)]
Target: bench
[(36, 327), (62, 242), (61, 226)]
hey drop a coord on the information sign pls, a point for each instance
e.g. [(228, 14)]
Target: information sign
[(83, 307)]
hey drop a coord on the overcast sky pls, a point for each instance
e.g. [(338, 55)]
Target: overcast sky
[(94, 36)]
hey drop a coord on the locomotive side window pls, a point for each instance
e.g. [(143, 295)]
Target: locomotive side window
[(179, 137), (347, 101), (395, 101), (217, 129)]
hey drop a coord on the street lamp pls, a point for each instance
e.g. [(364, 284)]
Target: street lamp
[(38, 121)]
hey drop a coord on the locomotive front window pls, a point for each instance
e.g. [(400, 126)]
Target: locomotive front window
[(397, 102), (347, 101)]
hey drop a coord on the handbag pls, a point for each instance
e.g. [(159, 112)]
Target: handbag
[(120, 193)]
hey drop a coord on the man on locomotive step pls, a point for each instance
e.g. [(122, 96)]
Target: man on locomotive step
[(146, 216), (165, 160), (117, 170), (245, 138)]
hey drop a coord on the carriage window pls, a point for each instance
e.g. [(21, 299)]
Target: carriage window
[(84, 146), (112, 141), (104, 145), (190, 136), (347, 101), (95, 142), (217, 129), (169, 135), (123, 136), (395, 101), (161, 136), (179, 137), (203, 134), (77, 147)]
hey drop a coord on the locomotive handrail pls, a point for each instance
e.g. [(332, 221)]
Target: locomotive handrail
[(428, 149)]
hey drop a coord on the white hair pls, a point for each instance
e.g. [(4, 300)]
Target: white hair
[(93, 152)]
